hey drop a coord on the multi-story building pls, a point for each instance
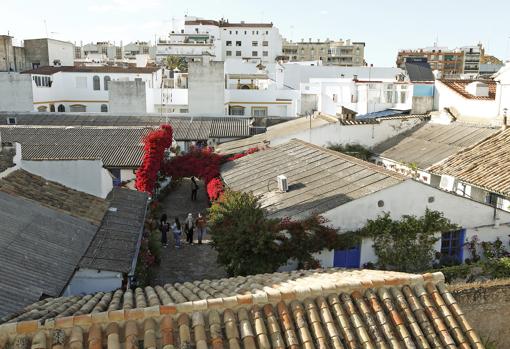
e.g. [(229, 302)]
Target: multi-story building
[(12, 58), (48, 52), (450, 63), (84, 89), (472, 56), (100, 49), (194, 37), (342, 53), (447, 62), (139, 48)]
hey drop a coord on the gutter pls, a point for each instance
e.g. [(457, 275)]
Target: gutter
[(138, 243)]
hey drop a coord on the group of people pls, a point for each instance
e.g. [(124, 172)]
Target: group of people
[(190, 226)]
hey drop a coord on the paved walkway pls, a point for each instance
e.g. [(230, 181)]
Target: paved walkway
[(189, 263)]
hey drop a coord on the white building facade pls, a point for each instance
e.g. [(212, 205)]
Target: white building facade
[(83, 89), (194, 37)]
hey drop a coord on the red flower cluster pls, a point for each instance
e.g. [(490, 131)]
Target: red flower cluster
[(240, 155), (215, 189), (155, 144), (201, 163)]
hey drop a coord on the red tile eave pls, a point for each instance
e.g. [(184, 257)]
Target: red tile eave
[(459, 87)]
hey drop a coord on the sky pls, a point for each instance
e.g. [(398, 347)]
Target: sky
[(384, 25)]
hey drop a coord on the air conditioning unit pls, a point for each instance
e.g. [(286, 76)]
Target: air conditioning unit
[(447, 182), (283, 185)]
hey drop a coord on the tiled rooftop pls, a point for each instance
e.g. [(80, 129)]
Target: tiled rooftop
[(484, 165), (427, 144), (53, 195), (115, 146), (459, 86), (319, 179), (363, 309)]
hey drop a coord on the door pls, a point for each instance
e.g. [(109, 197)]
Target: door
[(348, 258)]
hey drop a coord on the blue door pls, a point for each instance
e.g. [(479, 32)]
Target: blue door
[(348, 258)]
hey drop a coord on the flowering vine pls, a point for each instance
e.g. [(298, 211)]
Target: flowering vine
[(155, 144)]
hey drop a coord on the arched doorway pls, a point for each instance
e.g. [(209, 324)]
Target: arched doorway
[(61, 108), (52, 108)]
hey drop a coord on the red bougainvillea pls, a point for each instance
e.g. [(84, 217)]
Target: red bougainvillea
[(215, 189), (155, 144)]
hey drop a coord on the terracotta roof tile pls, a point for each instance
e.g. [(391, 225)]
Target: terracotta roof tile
[(484, 164), (417, 313), (459, 86)]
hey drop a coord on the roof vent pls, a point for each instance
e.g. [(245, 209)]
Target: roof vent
[(283, 184)]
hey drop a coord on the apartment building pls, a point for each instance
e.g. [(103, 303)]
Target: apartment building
[(101, 49), (341, 53), (139, 48), (194, 38), (450, 63)]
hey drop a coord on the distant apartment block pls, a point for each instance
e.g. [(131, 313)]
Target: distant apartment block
[(34, 53), (341, 53), (194, 38), (450, 63)]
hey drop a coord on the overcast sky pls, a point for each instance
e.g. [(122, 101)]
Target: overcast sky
[(384, 25)]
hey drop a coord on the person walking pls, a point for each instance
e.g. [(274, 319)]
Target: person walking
[(164, 227), (189, 226), (201, 224), (194, 188), (176, 229)]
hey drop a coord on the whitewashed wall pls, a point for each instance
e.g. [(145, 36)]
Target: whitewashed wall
[(15, 92), (412, 198), (87, 176), (480, 110), (365, 135)]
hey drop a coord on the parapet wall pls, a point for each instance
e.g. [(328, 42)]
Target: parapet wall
[(487, 308)]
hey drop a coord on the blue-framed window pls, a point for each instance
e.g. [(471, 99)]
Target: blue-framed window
[(452, 245)]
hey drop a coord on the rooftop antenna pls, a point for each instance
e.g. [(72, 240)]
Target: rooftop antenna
[(45, 28)]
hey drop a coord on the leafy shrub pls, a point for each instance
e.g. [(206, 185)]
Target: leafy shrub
[(356, 150), (407, 244), (498, 268), (455, 272)]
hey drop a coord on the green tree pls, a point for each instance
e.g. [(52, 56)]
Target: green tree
[(407, 244), (248, 242), (242, 235), (180, 63)]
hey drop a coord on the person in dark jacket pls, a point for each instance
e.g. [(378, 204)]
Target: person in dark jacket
[(194, 189), (164, 227)]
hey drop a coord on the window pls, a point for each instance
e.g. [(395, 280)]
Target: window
[(238, 43), (229, 53), (380, 203), (42, 108), (259, 111), (245, 32), (236, 110), (183, 110), (236, 32), (254, 53), (52, 108), (61, 108), (451, 246), (116, 176), (104, 108), (265, 53), (238, 53), (78, 108), (267, 32), (229, 43), (11, 120), (265, 43), (106, 82), (96, 85), (335, 97), (254, 43), (494, 200)]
